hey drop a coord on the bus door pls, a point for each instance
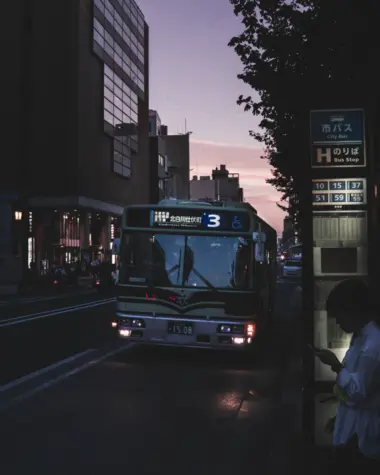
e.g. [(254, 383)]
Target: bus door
[(261, 270)]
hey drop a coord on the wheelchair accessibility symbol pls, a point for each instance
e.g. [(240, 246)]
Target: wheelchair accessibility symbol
[(236, 223)]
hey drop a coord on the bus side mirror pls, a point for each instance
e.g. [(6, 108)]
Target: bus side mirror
[(259, 252), (259, 237)]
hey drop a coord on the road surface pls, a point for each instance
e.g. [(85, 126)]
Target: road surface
[(103, 405)]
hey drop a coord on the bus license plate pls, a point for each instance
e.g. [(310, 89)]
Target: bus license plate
[(180, 328)]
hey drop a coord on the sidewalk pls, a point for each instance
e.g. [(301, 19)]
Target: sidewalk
[(13, 291), (290, 452), (287, 433)]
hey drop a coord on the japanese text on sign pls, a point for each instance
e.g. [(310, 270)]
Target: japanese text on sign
[(163, 217), (337, 138), (337, 126), (338, 156)]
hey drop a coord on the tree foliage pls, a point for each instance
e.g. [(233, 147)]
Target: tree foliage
[(298, 55)]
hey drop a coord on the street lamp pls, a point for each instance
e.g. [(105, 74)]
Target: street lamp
[(18, 215)]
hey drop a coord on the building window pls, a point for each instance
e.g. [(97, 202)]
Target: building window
[(120, 34), (118, 29), (120, 102), (122, 162), (120, 107), (161, 184)]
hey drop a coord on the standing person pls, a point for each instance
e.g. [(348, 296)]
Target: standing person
[(357, 427), (95, 267)]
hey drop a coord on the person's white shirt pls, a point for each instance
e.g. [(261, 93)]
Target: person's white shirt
[(360, 380)]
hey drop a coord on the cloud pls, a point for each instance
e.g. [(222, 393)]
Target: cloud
[(253, 173), (222, 144)]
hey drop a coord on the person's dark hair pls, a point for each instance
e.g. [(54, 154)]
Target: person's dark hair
[(351, 296)]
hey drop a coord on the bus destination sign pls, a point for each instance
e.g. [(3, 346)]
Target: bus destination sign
[(339, 193), (195, 219), (199, 219)]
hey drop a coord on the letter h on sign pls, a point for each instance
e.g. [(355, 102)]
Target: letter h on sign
[(324, 155)]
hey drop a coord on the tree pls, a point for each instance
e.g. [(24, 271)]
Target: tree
[(299, 55)]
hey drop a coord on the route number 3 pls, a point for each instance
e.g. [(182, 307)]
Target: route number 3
[(213, 221)]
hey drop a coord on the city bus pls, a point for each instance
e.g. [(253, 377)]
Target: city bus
[(195, 274), (295, 251)]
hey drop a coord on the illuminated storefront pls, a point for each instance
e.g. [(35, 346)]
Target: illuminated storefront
[(69, 236)]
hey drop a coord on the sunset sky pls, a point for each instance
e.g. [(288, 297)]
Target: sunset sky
[(193, 78)]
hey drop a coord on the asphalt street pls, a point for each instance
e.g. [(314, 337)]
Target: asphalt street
[(37, 332), (88, 403)]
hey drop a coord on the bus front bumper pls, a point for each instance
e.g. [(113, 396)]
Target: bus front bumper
[(185, 332)]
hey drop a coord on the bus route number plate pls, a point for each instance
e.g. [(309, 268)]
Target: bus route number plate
[(180, 328)]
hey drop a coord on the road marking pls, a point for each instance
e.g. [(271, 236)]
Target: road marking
[(64, 376), (51, 313), (35, 374)]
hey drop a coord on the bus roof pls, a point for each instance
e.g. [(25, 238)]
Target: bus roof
[(173, 203), (219, 204)]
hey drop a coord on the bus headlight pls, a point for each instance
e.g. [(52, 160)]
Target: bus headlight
[(125, 332), (238, 340), (137, 322), (131, 322)]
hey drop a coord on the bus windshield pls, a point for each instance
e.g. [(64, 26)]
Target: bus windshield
[(173, 260)]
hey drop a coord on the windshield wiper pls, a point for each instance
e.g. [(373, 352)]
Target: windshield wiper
[(176, 267), (203, 279)]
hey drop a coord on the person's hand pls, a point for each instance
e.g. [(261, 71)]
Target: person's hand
[(329, 358)]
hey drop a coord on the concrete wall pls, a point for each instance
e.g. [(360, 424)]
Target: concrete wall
[(14, 86), (202, 189), (53, 127), (228, 189), (224, 189), (178, 150), (157, 147)]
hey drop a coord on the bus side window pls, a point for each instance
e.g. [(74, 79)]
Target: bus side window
[(241, 266)]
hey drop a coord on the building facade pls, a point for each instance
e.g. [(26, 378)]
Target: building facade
[(290, 236), (159, 174), (154, 123), (80, 75), (221, 186), (178, 153), (169, 161)]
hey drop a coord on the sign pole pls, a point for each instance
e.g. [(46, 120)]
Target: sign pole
[(338, 216)]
